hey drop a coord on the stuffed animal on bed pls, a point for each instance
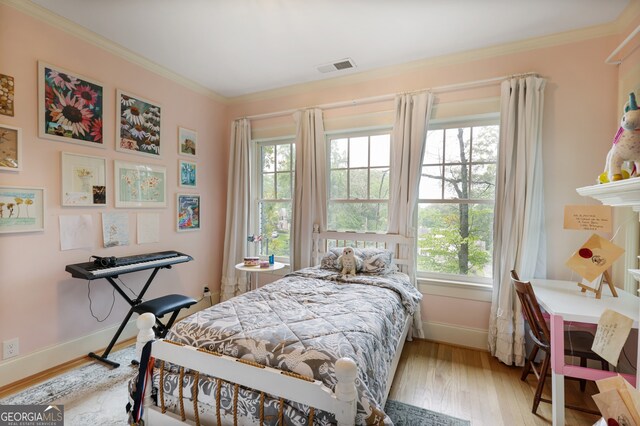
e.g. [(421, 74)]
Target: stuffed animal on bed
[(348, 262), (626, 143)]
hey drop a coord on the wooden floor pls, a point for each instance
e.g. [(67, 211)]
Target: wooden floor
[(475, 386)]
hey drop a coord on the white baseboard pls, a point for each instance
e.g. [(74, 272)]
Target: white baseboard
[(475, 338), (19, 368)]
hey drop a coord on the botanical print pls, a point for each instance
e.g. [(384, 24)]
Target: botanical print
[(140, 185), (115, 229), (21, 209), (188, 212), (187, 140), (70, 107), (139, 127), (83, 180), (6, 95), (10, 148), (187, 174)]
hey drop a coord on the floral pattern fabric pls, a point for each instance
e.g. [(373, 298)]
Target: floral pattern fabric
[(372, 260), (302, 323)]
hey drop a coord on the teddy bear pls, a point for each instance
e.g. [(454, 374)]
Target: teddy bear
[(626, 144), (348, 262)]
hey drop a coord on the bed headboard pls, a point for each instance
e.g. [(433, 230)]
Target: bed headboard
[(400, 245)]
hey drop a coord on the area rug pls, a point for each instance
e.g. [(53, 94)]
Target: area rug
[(409, 415), (79, 382)]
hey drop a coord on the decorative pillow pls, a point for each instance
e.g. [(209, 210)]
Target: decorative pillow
[(377, 261), (329, 261)]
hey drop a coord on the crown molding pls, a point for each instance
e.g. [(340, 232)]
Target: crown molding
[(45, 15)]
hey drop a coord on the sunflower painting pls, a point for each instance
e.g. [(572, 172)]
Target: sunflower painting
[(70, 107), (139, 125)]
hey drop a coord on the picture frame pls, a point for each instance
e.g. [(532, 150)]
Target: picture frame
[(138, 125), (140, 185), (22, 209), (7, 95), (187, 174), (10, 148), (187, 212), (70, 106), (84, 180), (187, 142)]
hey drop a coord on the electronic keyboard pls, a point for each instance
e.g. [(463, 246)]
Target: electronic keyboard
[(127, 264)]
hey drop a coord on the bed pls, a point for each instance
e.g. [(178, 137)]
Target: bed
[(314, 347)]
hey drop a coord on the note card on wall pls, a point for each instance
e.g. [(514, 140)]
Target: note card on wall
[(588, 218), (613, 330)]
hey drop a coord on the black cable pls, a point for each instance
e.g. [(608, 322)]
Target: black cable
[(91, 309), (127, 287)]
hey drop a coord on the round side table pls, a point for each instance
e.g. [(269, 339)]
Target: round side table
[(257, 269)]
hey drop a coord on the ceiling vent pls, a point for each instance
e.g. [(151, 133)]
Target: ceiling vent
[(342, 64)]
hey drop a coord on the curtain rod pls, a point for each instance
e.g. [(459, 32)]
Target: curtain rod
[(391, 96)]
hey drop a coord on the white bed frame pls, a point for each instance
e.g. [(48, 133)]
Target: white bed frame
[(341, 402)]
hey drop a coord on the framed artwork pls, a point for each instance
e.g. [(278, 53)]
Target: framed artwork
[(7, 95), (187, 141), (10, 148), (21, 209), (138, 125), (69, 107), (83, 180), (188, 212), (140, 185), (187, 174)]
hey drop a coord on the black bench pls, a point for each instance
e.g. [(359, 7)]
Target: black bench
[(161, 306)]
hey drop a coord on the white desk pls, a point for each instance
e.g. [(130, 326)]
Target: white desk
[(256, 269), (565, 303)]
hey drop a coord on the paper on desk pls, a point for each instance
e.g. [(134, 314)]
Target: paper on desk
[(594, 257), (613, 330), (75, 232)]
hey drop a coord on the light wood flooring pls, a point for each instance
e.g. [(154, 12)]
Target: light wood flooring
[(475, 386)]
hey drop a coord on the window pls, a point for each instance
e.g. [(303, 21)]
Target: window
[(456, 201), (359, 181), (275, 185)]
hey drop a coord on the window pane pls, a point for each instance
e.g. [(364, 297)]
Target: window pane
[(275, 225), (338, 188), (364, 217), (485, 143), (268, 158), (268, 186), (457, 145), (433, 147), (339, 153), (483, 182), (358, 183), (456, 183), (380, 150), (359, 152), (284, 186), (455, 239), (431, 183), (283, 155), (379, 184)]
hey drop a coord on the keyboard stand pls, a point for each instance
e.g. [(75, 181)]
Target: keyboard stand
[(133, 303)]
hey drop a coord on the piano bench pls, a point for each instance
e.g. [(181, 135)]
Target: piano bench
[(161, 306)]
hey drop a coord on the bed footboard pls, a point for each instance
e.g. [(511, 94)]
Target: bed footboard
[(313, 393)]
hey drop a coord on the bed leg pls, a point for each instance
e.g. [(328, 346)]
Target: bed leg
[(345, 391)]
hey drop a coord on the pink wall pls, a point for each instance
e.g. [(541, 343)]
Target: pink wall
[(39, 302)]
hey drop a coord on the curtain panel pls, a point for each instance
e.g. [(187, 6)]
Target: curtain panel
[(408, 139), (238, 209), (519, 230)]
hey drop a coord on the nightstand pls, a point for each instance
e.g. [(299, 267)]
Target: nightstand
[(257, 269)]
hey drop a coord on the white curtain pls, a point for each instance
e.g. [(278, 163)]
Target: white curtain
[(408, 139), (238, 209), (519, 234), (311, 187)]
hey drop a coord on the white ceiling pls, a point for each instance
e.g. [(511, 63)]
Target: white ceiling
[(237, 47)]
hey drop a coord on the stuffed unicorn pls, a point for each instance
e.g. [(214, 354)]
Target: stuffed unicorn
[(626, 143)]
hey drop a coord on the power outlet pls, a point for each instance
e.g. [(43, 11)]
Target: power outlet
[(10, 348), (207, 292)]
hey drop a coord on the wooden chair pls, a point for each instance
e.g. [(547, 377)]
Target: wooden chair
[(577, 343)]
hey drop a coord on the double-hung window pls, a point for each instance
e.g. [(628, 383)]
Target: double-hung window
[(275, 165), (456, 201), (358, 192)]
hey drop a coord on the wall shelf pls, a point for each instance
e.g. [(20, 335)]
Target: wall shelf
[(620, 193)]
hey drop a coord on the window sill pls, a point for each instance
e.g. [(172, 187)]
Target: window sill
[(455, 289)]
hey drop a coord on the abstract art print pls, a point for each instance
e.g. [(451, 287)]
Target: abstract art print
[(138, 125), (10, 148), (21, 209), (70, 107), (140, 185), (187, 141), (7, 95), (84, 180), (187, 174), (188, 207)]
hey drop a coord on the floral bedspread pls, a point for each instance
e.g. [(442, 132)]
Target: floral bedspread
[(303, 323)]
